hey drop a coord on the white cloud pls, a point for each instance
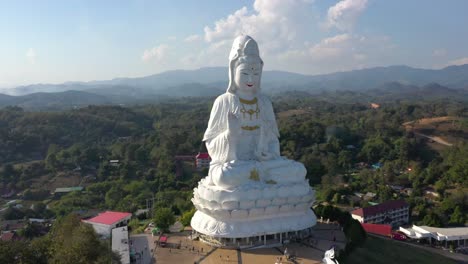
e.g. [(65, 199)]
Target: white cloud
[(288, 34), (339, 53), (460, 61), (439, 52), (344, 14), (172, 38), (331, 47), (277, 25), (31, 56), (192, 38), (156, 53), (274, 23)]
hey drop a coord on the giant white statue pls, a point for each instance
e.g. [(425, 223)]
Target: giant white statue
[(250, 190)]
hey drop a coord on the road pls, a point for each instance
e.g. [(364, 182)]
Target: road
[(436, 139), (142, 244)]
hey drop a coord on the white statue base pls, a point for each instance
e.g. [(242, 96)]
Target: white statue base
[(244, 214)]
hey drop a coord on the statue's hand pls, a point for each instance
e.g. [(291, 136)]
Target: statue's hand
[(234, 125), (264, 156)]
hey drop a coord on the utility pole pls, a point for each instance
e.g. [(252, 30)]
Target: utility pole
[(150, 205)]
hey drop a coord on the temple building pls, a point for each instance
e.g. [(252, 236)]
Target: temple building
[(105, 222), (394, 212), (202, 160)]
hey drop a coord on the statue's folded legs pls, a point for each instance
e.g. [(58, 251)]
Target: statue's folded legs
[(237, 173), (232, 174)]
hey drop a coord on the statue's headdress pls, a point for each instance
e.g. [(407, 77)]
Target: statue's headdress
[(243, 48)]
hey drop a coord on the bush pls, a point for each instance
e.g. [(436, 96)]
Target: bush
[(164, 218), (187, 217)]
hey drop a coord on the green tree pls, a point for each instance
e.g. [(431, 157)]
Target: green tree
[(336, 198), (345, 159), (164, 218), (355, 233), (113, 196), (75, 242), (457, 217), (187, 217), (432, 219)]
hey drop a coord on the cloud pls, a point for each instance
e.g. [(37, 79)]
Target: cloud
[(340, 52), (460, 61), (156, 53), (344, 14), (289, 37), (192, 38), (31, 56), (439, 53), (330, 47), (275, 23)]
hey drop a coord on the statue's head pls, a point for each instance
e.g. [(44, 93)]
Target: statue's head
[(245, 66)]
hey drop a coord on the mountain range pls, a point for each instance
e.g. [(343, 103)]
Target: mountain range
[(403, 80)]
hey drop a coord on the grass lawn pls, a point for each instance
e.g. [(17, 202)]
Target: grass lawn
[(382, 251)]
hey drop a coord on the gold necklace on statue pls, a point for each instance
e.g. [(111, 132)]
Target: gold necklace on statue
[(250, 111)]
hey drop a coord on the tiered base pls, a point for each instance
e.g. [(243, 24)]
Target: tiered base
[(269, 225), (252, 213)]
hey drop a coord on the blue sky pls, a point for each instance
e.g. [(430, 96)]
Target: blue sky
[(59, 41)]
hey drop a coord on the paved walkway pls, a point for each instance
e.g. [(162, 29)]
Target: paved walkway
[(143, 247), (180, 249)]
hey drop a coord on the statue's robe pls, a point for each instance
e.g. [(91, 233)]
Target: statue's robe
[(219, 140)]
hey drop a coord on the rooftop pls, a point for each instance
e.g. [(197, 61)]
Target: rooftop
[(203, 155), (451, 233), (109, 217), (448, 232), (380, 208), (68, 189), (7, 236)]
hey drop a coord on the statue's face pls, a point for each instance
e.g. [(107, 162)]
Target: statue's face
[(247, 77)]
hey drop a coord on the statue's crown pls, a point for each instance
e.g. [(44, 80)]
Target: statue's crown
[(244, 46)]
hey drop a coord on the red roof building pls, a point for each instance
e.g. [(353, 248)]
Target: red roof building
[(10, 236), (202, 160), (393, 212), (105, 222)]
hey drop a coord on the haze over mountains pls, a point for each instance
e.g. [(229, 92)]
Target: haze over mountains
[(396, 81)]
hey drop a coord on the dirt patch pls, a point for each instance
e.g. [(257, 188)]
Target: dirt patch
[(440, 132), (431, 120), (61, 179)]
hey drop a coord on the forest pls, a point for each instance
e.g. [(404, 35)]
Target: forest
[(337, 137)]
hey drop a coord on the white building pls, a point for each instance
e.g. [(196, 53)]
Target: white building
[(120, 243), (105, 222), (393, 212), (443, 236)]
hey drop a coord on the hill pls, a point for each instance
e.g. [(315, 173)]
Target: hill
[(375, 84), (452, 77), (53, 101)]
